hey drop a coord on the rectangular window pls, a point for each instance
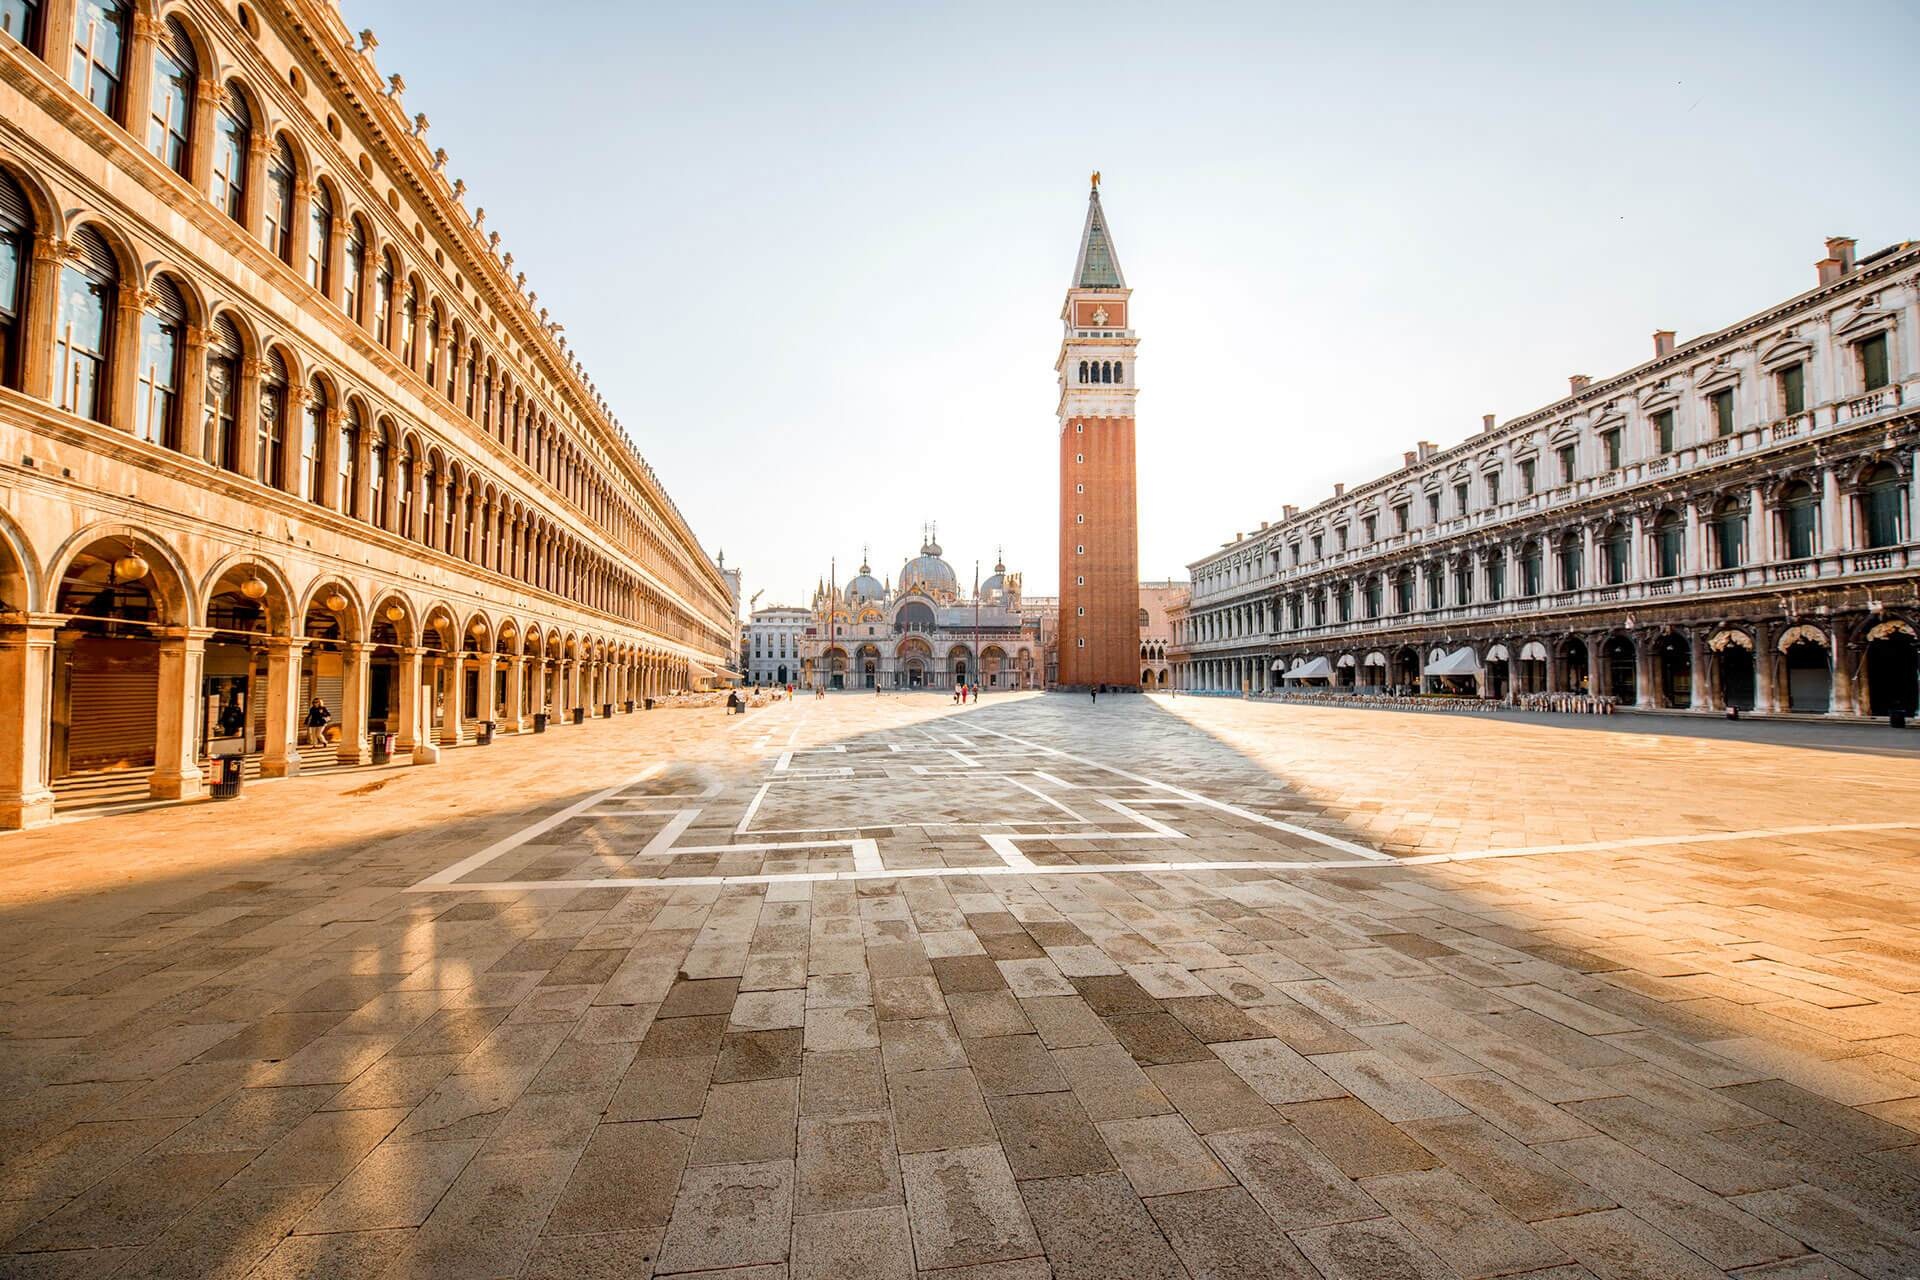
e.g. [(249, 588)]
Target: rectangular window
[(1400, 518), (1433, 508), (1293, 552), (1530, 571), (1317, 544), (1610, 446), (1436, 587), (1496, 579), (1663, 431), (1460, 499), (1721, 403), (1793, 389), (1492, 480), (1367, 528), (1340, 537), (1873, 362), (1568, 467), (1529, 468)]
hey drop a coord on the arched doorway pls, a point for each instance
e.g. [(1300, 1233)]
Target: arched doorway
[(1499, 665), (959, 666), (1893, 669), (834, 661), (1733, 665), (869, 666), (1406, 669), (126, 677), (1622, 683), (1673, 671), (993, 667), (1532, 671), (1809, 673), (1573, 666)]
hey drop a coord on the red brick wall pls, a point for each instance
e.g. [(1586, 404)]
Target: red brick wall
[(1097, 453)]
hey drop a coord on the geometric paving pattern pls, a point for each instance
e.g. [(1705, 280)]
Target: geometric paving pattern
[(249, 1040)]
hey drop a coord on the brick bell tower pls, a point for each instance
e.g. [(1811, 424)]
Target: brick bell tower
[(1099, 532)]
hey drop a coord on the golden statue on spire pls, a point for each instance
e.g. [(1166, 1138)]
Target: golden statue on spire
[(1096, 179)]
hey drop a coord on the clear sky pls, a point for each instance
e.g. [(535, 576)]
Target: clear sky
[(815, 255)]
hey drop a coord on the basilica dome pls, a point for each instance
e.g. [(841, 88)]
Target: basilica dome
[(995, 586), (864, 588), (929, 573)]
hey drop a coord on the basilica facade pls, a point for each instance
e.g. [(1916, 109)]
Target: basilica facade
[(921, 633)]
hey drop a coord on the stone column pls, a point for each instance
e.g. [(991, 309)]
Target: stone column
[(254, 199), (1763, 700), (353, 704), (453, 726), (122, 391), (1759, 528), (281, 759), (1841, 701), (1643, 667), (516, 717), (1597, 669), (206, 101), (176, 775), (43, 308), (26, 684), (1700, 697), (1833, 514), (489, 666), (136, 87)]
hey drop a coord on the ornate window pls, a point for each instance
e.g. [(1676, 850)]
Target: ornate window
[(1883, 507), (278, 228), (1874, 372), (1720, 404), (1792, 382), (1669, 543), (163, 328), (20, 20), (320, 239), (379, 460), (409, 324), (270, 430), (1618, 548), (347, 465), (403, 491), (1800, 520), (16, 252), (383, 302), (1530, 569), (222, 416), (313, 464), (1663, 434), (100, 52), (176, 70), (433, 347), (1730, 532), (354, 266), (89, 286), (1569, 555), (233, 138)]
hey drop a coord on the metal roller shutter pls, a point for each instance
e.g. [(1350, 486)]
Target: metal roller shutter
[(112, 705)]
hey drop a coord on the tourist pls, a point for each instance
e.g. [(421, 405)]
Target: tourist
[(317, 717)]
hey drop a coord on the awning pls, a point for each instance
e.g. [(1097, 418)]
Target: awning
[(1312, 669), (1461, 662), (697, 672), (1497, 654), (1533, 651), (1346, 659), (1375, 659)]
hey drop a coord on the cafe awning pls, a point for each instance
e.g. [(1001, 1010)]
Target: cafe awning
[(1312, 669), (1461, 662)]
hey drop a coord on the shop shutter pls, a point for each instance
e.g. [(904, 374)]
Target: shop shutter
[(113, 705)]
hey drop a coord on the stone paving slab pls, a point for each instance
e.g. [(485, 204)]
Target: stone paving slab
[(276, 1038)]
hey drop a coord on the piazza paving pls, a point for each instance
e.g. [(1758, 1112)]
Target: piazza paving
[(885, 986)]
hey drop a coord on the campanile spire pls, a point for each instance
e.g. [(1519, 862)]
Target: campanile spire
[(1099, 533)]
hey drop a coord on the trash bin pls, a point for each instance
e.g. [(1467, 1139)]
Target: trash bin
[(606, 711), (1733, 713), (383, 748), (649, 704), (629, 706), (579, 715), (1897, 719), (539, 722), (226, 776), (486, 733)]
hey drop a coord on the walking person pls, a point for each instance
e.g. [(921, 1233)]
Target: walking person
[(1093, 692), (317, 718)]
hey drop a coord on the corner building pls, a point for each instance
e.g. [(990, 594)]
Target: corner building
[(279, 423), (1099, 637), (1728, 525)]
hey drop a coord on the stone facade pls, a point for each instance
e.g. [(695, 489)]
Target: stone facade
[(280, 424), (1730, 524), (770, 645), (1158, 601), (1099, 536), (923, 633)]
